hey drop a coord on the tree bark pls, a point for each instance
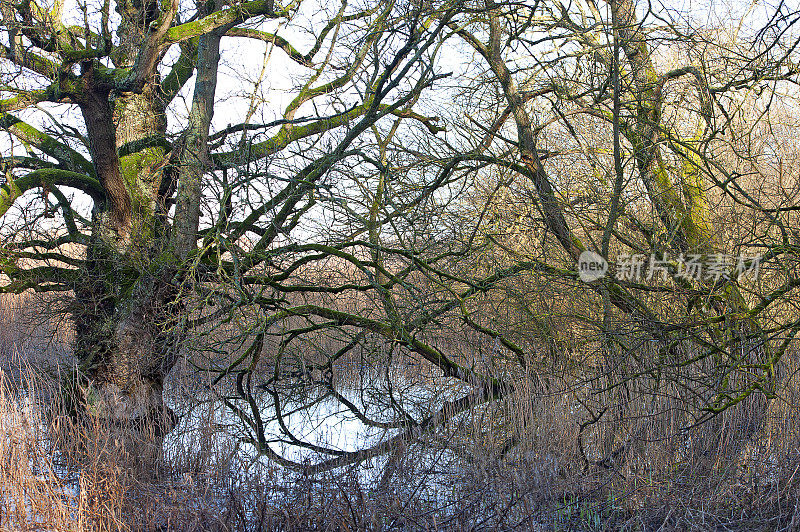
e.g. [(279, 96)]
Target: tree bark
[(194, 159), (123, 312)]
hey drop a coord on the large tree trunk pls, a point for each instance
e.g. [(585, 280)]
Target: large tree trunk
[(725, 435), (124, 303), (128, 309)]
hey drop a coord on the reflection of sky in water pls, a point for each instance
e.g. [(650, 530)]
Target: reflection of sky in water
[(326, 423)]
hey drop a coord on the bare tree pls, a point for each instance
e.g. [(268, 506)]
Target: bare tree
[(142, 254), (353, 229), (625, 125)]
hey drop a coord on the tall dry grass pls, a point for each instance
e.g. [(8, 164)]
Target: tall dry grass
[(57, 473), (60, 474)]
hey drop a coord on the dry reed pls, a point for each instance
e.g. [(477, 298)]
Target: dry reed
[(59, 474)]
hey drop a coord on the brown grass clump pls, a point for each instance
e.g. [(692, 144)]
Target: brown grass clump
[(39, 481)]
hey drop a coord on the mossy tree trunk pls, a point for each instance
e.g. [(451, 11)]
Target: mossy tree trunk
[(124, 297), (128, 309), (676, 194)]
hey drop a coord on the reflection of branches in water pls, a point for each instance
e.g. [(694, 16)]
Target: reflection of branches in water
[(397, 386), (385, 401)]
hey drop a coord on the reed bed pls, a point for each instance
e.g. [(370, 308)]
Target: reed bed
[(57, 473)]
